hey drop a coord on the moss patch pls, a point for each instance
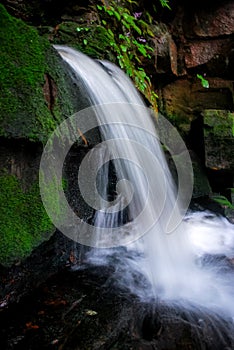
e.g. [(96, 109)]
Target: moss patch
[(34, 93), (218, 139), (218, 122), (90, 39), (24, 223), (22, 72)]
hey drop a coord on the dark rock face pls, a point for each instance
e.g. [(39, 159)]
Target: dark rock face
[(21, 158), (81, 310), (209, 24), (219, 140), (45, 261), (201, 52), (184, 99), (202, 34)]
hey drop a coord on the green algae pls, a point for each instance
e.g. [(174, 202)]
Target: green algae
[(34, 94), (24, 223)]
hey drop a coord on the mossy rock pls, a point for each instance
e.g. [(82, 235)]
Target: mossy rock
[(219, 123), (36, 94), (35, 90), (91, 39), (24, 223), (218, 139)]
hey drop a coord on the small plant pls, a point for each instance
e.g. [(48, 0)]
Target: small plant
[(204, 82), (165, 3), (223, 201), (86, 29), (130, 43)]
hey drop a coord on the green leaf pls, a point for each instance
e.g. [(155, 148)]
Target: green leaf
[(131, 23), (142, 50), (142, 23), (165, 3), (137, 29), (128, 17), (126, 25), (111, 33), (149, 48), (120, 61), (137, 59), (99, 7), (121, 36), (204, 82), (223, 201), (85, 42), (123, 48), (128, 39), (150, 33), (117, 15), (150, 19)]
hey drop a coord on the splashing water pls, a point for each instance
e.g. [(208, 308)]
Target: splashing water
[(190, 264)]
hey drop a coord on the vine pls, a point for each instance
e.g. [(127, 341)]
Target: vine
[(130, 42)]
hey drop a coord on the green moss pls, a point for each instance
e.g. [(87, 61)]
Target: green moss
[(181, 123), (90, 39), (21, 73), (24, 223), (201, 186), (219, 123), (27, 63)]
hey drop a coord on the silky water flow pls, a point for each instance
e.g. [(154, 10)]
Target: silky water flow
[(187, 266)]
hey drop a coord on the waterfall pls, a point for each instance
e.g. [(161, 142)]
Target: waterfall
[(145, 203)]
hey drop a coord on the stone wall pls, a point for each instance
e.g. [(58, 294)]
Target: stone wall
[(198, 42)]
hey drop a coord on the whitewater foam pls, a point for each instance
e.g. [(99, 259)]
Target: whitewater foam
[(193, 264)]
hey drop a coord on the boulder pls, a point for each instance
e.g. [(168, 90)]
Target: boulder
[(219, 139), (37, 93)]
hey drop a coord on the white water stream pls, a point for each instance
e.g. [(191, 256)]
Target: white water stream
[(191, 265)]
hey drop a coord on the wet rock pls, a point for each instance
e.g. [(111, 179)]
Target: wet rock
[(201, 185), (218, 138), (77, 310), (22, 277), (206, 23), (183, 100), (165, 50), (201, 52), (37, 94)]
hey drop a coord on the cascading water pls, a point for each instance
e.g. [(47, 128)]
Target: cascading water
[(175, 264)]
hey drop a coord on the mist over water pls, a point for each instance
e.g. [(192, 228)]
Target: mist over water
[(191, 265), (207, 283)]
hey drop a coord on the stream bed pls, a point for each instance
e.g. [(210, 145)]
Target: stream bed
[(83, 309)]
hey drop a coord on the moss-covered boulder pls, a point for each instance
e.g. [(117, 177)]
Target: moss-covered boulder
[(219, 139), (36, 94), (91, 39), (24, 223)]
